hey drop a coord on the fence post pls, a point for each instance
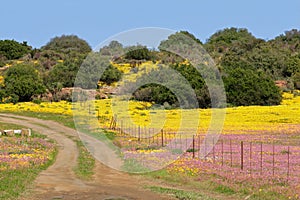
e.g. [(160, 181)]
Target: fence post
[(122, 128), (273, 159), (162, 137), (205, 147), (288, 163), (111, 122), (149, 138), (186, 142), (115, 123), (157, 139), (214, 153), (199, 140), (139, 133), (242, 155), (152, 135), (222, 146), (230, 146), (250, 159), (261, 157), (193, 146)]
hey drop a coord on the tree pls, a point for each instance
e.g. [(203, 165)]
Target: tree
[(12, 49), (289, 40), (296, 80), (68, 43), (246, 87), (156, 93), (176, 83), (63, 73), (231, 41), (23, 82), (111, 75), (138, 53), (114, 48), (230, 36)]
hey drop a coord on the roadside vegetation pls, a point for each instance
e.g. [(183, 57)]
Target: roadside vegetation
[(21, 160)]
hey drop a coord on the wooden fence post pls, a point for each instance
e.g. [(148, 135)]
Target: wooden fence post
[(214, 152), (250, 158), (205, 147), (193, 146), (242, 155), (111, 122), (139, 133), (273, 171), (230, 146), (157, 139), (222, 146), (199, 140), (122, 128), (261, 157), (162, 137), (186, 142), (152, 134), (288, 164)]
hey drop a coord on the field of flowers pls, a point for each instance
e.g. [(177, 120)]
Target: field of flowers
[(21, 160), (270, 153), (22, 152), (284, 118)]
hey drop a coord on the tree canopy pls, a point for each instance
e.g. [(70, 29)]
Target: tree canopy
[(249, 67), (11, 49), (68, 43), (22, 83)]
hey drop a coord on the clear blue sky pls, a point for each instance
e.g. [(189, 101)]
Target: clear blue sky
[(37, 21)]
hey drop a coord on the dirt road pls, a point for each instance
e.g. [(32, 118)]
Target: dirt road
[(59, 180)]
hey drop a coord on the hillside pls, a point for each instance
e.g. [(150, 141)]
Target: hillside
[(250, 68)]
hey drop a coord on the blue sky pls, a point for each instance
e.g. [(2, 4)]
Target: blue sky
[(37, 21)]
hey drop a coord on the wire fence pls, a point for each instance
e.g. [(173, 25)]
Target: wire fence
[(262, 156)]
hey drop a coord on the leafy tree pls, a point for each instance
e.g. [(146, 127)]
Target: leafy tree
[(63, 73), (138, 53), (296, 80), (114, 48), (292, 66), (22, 81), (248, 87), (231, 37), (11, 49), (156, 93), (289, 40), (111, 75), (68, 43), (161, 94), (91, 70)]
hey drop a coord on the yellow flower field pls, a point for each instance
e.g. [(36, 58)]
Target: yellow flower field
[(253, 119)]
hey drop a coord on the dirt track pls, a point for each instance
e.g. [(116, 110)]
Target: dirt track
[(59, 180)]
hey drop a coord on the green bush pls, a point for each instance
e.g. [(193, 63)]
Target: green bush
[(68, 43), (22, 82), (11, 49)]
